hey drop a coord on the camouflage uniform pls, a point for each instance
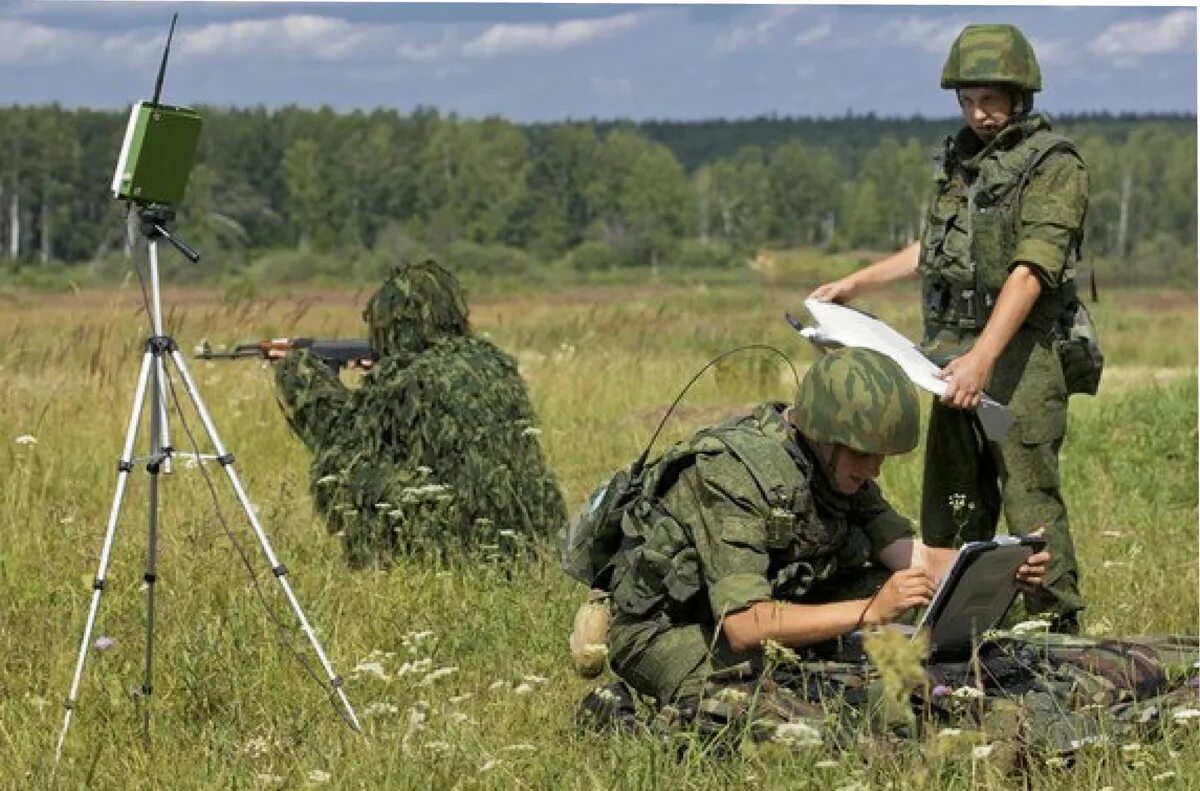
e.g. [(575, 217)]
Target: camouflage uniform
[(1019, 199), (705, 540), (438, 448)]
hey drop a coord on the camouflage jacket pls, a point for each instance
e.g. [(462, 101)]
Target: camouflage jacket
[(710, 535), (1021, 198)]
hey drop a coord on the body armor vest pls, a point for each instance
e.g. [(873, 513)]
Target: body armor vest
[(973, 228)]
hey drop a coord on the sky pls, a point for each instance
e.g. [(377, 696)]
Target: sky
[(548, 62)]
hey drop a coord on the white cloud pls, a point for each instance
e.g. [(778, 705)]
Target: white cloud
[(816, 33), (1125, 40), (756, 35), (422, 52), (931, 35), (513, 39), (298, 35), (26, 43)]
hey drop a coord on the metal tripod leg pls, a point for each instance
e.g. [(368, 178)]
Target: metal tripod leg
[(123, 467), (159, 458), (225, 459)]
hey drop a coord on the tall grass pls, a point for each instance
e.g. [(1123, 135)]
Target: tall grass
[(231, 706)]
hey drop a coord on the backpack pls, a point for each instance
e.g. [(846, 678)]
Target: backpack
[(594, 536)]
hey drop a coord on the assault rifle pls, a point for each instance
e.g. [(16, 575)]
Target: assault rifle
[(336, 354)]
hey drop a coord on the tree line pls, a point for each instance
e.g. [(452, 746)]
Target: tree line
[(494, 196)]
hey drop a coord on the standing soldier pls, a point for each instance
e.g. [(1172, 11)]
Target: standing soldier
[(997, 262), (438, 449)]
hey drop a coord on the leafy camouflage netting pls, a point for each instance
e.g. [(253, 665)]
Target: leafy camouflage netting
[(438, 449)]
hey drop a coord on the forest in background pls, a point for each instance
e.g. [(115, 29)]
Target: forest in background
[(295, 193)]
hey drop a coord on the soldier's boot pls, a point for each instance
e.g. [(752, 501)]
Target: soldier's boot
[(609, 708)]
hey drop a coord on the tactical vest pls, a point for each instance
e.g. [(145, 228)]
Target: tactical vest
[(972, 231)]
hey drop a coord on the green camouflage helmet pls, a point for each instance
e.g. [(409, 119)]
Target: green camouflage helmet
[(416, 306), (992, 55), (861, 399)]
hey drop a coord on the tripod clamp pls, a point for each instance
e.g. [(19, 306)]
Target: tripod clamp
[(154, 218)]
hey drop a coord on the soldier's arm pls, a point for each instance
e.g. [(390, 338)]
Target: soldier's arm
[(901, 265), (1053, 207), (313, 398)]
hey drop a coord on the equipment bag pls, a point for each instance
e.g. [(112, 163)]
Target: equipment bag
[(1078, 348)]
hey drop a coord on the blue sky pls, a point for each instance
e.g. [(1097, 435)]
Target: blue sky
[(530, 62)]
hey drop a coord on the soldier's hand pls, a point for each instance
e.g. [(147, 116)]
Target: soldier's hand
[(1033, 570), (966, 377), (907, 588), (839, 291)]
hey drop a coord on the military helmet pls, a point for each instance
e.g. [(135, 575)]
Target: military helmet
[(416, 306), (861, 399), (992, 55)]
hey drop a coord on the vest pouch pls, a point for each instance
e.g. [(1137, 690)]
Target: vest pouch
[(1079, 351)]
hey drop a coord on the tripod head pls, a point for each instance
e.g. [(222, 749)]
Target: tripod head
[(154, 218)]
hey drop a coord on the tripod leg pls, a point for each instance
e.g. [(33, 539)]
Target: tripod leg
[(123, 467), (160, 455), (226, 461)]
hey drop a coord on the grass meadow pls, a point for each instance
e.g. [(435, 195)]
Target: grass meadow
[(460, 672)]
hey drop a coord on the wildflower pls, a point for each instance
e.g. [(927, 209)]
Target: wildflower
[(1111, 533), (421, 468), (1115, 564), (1056, 762), (441, 672), (950, 733), (826, 764), (257, 747), (66, 520), (103, 643), (532, 679), (319, 776), (969, 693), (1158, 778), (1027, 627), (325, 480), (371, 668), (979, 752), (941, 691), (381, 707), (460, 698), (417, 666), (532, 431), (497, 685), (1186, 714), (796, 734), (383, 506), (26, 439), (523, 689)]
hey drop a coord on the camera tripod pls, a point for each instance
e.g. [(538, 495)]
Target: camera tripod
[(153, 378)]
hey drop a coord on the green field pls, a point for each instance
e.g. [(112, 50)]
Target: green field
[(233, 709)]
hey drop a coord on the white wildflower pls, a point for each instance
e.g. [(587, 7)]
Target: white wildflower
[(26, 439), (1186, 714), (531, 431), (1056, 762), (319, 776), (416, 666), (523, 689), (979, 752), (381, 707), (796, 734), (498, 685), (826, 764), (1115, 564), (968, 693), (507, 533), (383, 506), (532, 679), (66, 520), (1111, 533), (325, 480), (1132, 747), (950, 733), (103, 643), (1158, 778), (1027, 627), (460, 698), (257, 747), (441, 672), (421, 468), (371, 668)]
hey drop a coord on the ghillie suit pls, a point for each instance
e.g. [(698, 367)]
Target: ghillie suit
[(438, 449)]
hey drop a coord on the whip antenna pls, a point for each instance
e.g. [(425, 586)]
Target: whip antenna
[(162, 67)]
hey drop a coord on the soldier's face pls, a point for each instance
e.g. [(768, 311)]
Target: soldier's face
[(985, 110), (850, 469)]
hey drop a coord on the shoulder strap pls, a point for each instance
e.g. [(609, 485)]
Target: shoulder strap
[(773, 469)]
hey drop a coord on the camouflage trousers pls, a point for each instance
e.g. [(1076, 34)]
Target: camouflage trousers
[(969, 480)]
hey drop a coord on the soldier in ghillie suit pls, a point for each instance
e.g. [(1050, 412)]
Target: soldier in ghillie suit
[(748, 550), (997, 259), (438, 449)]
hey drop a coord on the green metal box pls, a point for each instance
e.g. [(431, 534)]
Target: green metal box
[(157, 155)]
